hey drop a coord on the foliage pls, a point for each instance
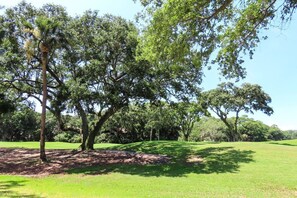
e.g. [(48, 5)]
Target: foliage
[(93, 72), (188, 34), (19, 125), (104, 73), (141, 123), (32, 40), (213, 129), (72, 124), (251, 130), (227, 98), (70, 137), (98, 65), (26, 28), (6, 105), (275, 133), (159, 121), (290, 134), (186, 116), (209, 129)]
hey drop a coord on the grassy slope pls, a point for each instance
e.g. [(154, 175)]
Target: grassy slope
[(229, 170)]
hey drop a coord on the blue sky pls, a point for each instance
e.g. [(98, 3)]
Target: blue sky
[(274, 65)]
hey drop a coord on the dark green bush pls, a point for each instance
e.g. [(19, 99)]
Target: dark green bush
[(68, 136)]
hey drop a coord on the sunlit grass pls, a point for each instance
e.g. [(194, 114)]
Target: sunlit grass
[(285, 142), (240, 169)]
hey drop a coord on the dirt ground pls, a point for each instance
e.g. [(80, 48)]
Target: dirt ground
[(26, 161)]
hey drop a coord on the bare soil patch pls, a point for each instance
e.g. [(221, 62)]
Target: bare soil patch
[(195, 159), (26, 161)]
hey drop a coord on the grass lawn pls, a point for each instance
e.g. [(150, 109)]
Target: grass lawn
[(240, 169)]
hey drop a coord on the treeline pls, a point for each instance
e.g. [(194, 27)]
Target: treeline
[(137, 123), (112, 75), (213, 129)]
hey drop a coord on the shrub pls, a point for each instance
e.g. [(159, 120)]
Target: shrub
[(208, 129), (76, 138)]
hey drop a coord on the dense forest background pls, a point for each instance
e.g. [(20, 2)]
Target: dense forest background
[(135, 123)]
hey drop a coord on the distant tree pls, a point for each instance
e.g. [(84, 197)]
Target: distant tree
[(252, 130), (227, 98), (209, 129), (290, 134), (163, 122), (156, 119), (275, 133), (186, 115), (127, 125), (6, 105), (19, 125)]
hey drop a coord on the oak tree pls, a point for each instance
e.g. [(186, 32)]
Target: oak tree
[(228, 98), (190, 34)]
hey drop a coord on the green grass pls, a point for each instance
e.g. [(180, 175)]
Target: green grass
[(240, 169), (285, 142)]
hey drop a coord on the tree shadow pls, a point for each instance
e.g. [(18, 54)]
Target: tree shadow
[(282, 144), (186, 158), (6, 189)]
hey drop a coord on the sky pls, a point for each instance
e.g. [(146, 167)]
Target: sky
[(273, 67)]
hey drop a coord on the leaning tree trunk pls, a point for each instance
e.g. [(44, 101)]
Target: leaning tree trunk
[(44, 57), (84, 126), (97, 127), (186, 137)]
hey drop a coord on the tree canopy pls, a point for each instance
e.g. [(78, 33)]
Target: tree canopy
[(6, 105), (227, 98), (97, 65), (207, 32), (90, 64)]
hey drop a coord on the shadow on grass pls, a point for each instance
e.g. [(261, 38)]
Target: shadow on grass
[(211, 160), (6, 189), (282, 144)]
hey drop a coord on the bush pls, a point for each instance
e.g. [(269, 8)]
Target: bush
[(253, 130), (76, 139), (208, 129), (102, 138), (19, 125), (290, 134), (68, 136), (107, 137), (63, 137)]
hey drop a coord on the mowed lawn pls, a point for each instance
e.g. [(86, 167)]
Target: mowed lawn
[(240, 169)]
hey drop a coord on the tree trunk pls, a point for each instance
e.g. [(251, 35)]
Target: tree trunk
[(44, 57), (84, 126), (236, 135), (230, 132), (186, 137), (97, 127)]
